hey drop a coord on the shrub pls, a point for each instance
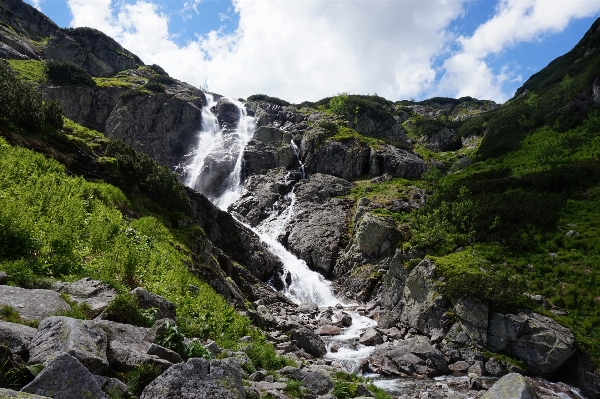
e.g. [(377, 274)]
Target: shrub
[(140, 377), (155, 87), (268, 99), (171, 337), (126, 309), (158, 69), (196, 349), (166, 79), (67, 72)]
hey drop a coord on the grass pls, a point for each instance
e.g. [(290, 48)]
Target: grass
[(347, 134), (31, 71), (112, 82), (89, 138)]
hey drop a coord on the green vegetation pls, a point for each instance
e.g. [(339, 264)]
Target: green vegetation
[(125, 309), (140, 377), (30, 71), (67, 72), (346, 385), (268, 99), (155, 87), (161, 79), (343, 133)]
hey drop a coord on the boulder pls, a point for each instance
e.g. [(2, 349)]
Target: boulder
[(392, 289), (85, 340), (411, 357), (164, 353), (375, 236), (16, 337), (147, 300), (112, 387), (309, 341), (318, 382), (387, 159), (32, 304), (94, 293), (511, 386), (472, 322), (328, 330), (371, 337), (422, 301), (65, 378), (9, 393), (198, 379), (542, 343)]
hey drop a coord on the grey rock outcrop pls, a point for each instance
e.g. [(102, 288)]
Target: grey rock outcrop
[(346, 159), (472, 322), (511, 386), (65, 378), (163, 125), (387, 159), (198, 379), (385, 127), (444, 139), (423, 304), (92, 50), (32, 304), (82, 339), (318, 382), (94, 293), (392, 288), (147, 300), (227, 113), (269, 148), (16, 337), (543, 344), (371, 337), (411, 357)]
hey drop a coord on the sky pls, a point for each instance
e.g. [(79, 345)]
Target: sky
[(305, 50)]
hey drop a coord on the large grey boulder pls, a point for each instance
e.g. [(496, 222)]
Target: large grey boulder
[(32, 304), (94, 293), (387, 159), (16, 337), (198, 379), (472, 322), (309, 341), (375, 236), (318, 382), (542, 343), (92, 50), (511, 386), (411, 357), (147, 300), (269, 148), (423, 303), (82, 339), (392, 288), (65, 378), (9, 393)]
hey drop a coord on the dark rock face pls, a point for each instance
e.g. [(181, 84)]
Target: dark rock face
[(269, 148), (198, 379), (162, 125), (218, 166), (92, 50), (52, 381), (309, 341), (443, 140), (581, 372), (228, 113), (411, 357), (345, 159), (395, 162), (382, 127)]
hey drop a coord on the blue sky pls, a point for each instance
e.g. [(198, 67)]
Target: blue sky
[(309, 49)]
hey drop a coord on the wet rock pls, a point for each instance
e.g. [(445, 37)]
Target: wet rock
[(511, 386), (460, 366), (309, 341), (345, 319), (147, 300), (228, 113), (269, 148), (63, 368), (371, 337), (94, 293), (16, 337), (581, 372), (85, 340), (198, 379), (423, 304), (328, 330), (411, 357), (32, 304)]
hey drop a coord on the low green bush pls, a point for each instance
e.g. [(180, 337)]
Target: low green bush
[(155, 87), (67, 72), (161, 79), (126, 309), (268, 99), (140, 377)]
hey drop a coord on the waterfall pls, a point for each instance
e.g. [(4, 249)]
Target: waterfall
[(297, 153)]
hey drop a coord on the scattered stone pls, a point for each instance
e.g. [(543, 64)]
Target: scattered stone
[(475, 382), (164, 353), (318, 382), (32, 304), (213, 348), (294, 372), (112, 387), (52, 380), (459, 367), (92, 292), (371, 337), (328, 330), (410, 357)]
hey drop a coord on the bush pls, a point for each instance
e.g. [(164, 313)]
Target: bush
[(126, 309), (158, 69), (131, 93), (166, 79), (155, 87), (67, 72), (140, 377), (268, 99)]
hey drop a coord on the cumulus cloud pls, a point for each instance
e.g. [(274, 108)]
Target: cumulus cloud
[(468, 72), (294, 49)]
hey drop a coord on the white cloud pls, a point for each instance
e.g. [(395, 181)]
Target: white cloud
[(468, 73), (294, 49)]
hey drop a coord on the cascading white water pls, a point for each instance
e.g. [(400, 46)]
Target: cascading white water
[(297, 153)]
